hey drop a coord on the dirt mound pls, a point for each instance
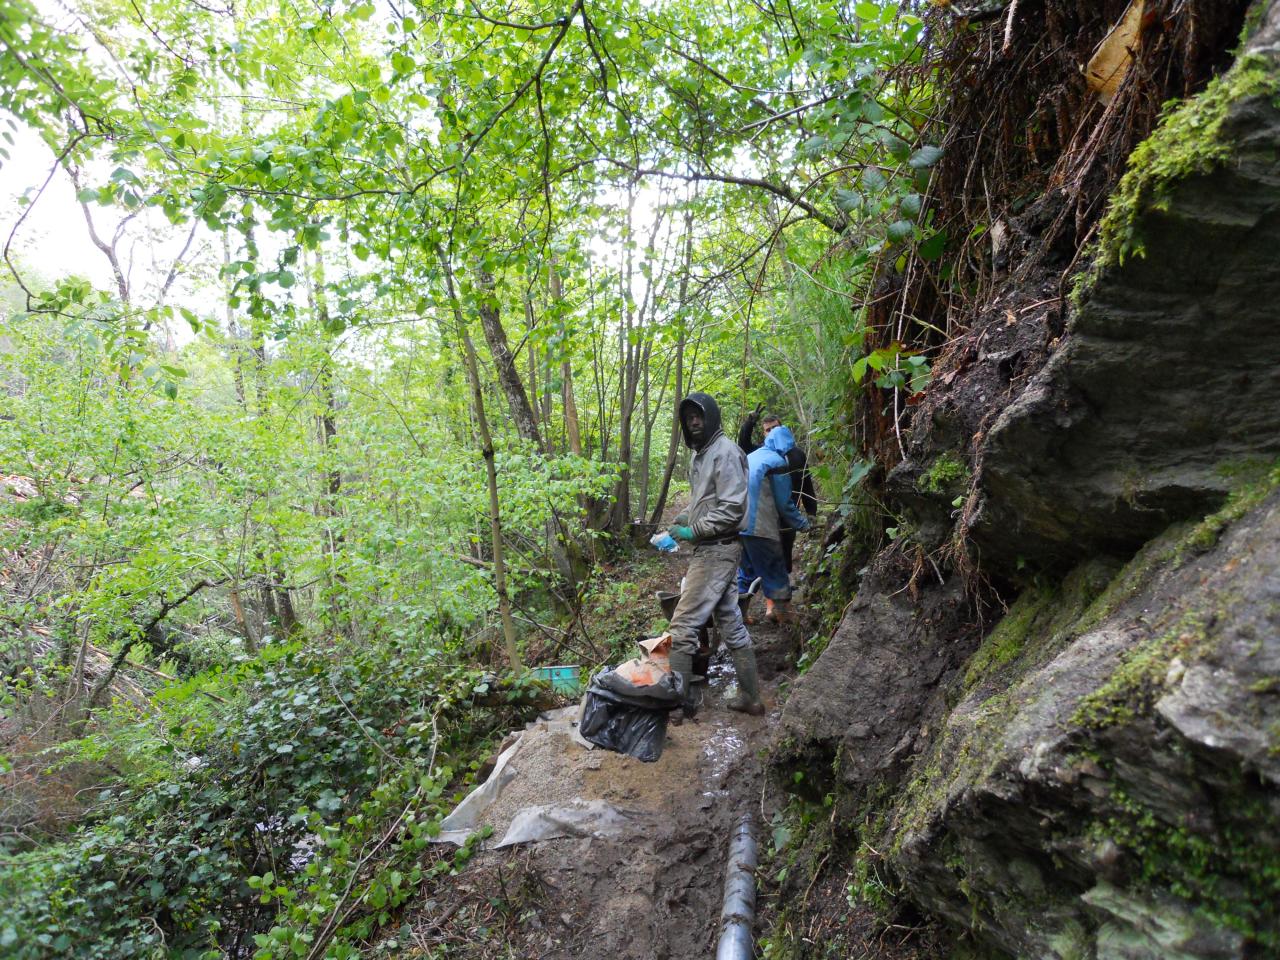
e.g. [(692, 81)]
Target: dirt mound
[(654, 893)]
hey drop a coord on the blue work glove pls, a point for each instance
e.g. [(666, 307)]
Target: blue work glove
[(681, 533)]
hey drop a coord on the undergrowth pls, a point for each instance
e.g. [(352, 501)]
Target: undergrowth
[(291, 822)]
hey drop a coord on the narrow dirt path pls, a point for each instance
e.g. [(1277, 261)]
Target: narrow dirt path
[(653, 894)]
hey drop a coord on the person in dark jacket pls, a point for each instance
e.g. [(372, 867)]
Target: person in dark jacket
[(803, 494), (717, 512)]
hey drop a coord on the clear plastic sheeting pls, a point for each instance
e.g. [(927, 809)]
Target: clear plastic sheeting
[(578, 818), (574, 818), (466, 816)]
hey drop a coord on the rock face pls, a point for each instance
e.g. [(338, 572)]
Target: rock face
[(1123, 799), (1098, 778), (1168, 373), (864, 707)]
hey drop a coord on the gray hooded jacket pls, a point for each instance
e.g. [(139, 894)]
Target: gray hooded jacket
[(717, 476)]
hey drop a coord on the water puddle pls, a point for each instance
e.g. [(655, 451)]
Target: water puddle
[(719, 753), (720, 671)]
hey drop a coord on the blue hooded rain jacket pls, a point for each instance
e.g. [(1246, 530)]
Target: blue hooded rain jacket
[(768, 473)]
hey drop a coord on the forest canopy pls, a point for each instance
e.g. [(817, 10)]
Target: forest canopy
[(400, 298)]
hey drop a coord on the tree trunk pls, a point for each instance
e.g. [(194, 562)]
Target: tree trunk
[(673, 444), (491, 474), (642, 482), (328, 432), (508, 375), (626, 378)]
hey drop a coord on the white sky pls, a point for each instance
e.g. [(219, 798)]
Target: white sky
[(53, 241)]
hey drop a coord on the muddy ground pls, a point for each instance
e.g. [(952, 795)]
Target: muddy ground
[(654, 894)]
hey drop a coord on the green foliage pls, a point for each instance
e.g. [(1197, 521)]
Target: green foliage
[(1226, 875), (276, 492), (321, 754), (948, 472), (896, 368)]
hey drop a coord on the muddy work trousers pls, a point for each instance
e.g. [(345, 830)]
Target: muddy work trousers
[(710, 593)]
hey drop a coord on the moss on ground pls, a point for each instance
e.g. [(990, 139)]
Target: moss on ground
[(1188, 141)]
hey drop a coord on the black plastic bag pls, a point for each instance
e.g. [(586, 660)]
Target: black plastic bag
[(617, 723)]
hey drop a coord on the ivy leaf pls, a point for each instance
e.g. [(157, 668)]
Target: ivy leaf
[(932, 247)]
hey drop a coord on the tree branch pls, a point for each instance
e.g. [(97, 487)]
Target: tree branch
[(836, 225)]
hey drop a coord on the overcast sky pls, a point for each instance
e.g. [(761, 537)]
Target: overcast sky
[(53, 240)]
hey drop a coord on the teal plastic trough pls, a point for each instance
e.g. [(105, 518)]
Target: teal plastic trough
[(563, 679)]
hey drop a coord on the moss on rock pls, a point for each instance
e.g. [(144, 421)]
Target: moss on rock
[(943, 474), (1151, 667), (1041, 620), (1189, 141), (1228, 878)]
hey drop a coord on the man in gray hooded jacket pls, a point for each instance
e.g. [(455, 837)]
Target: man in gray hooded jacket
[(717, 513)]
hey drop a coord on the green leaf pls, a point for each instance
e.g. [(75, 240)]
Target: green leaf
[(850, 201), (932, 247), (867, 11), (899, 231), (898, 148), (910, 205), (925, 157)]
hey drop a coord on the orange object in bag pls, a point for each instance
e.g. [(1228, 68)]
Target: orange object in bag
[(651, 668)]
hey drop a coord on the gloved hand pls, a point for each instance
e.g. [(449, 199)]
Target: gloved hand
[(681, 532)]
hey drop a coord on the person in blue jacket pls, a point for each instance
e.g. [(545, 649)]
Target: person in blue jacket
[(770, 509)]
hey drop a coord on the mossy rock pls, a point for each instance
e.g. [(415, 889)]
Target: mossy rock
[(1091, 752)]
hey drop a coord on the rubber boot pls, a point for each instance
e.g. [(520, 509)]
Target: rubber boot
[(748, 698), (682, 663)]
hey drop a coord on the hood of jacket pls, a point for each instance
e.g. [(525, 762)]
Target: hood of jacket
[(710, 418), (780, 440)]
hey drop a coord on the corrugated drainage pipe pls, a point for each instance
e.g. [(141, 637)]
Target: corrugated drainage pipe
[(739, 910)]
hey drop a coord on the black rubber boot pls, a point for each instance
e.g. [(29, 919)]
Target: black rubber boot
[(748, 698), (682, 664)]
